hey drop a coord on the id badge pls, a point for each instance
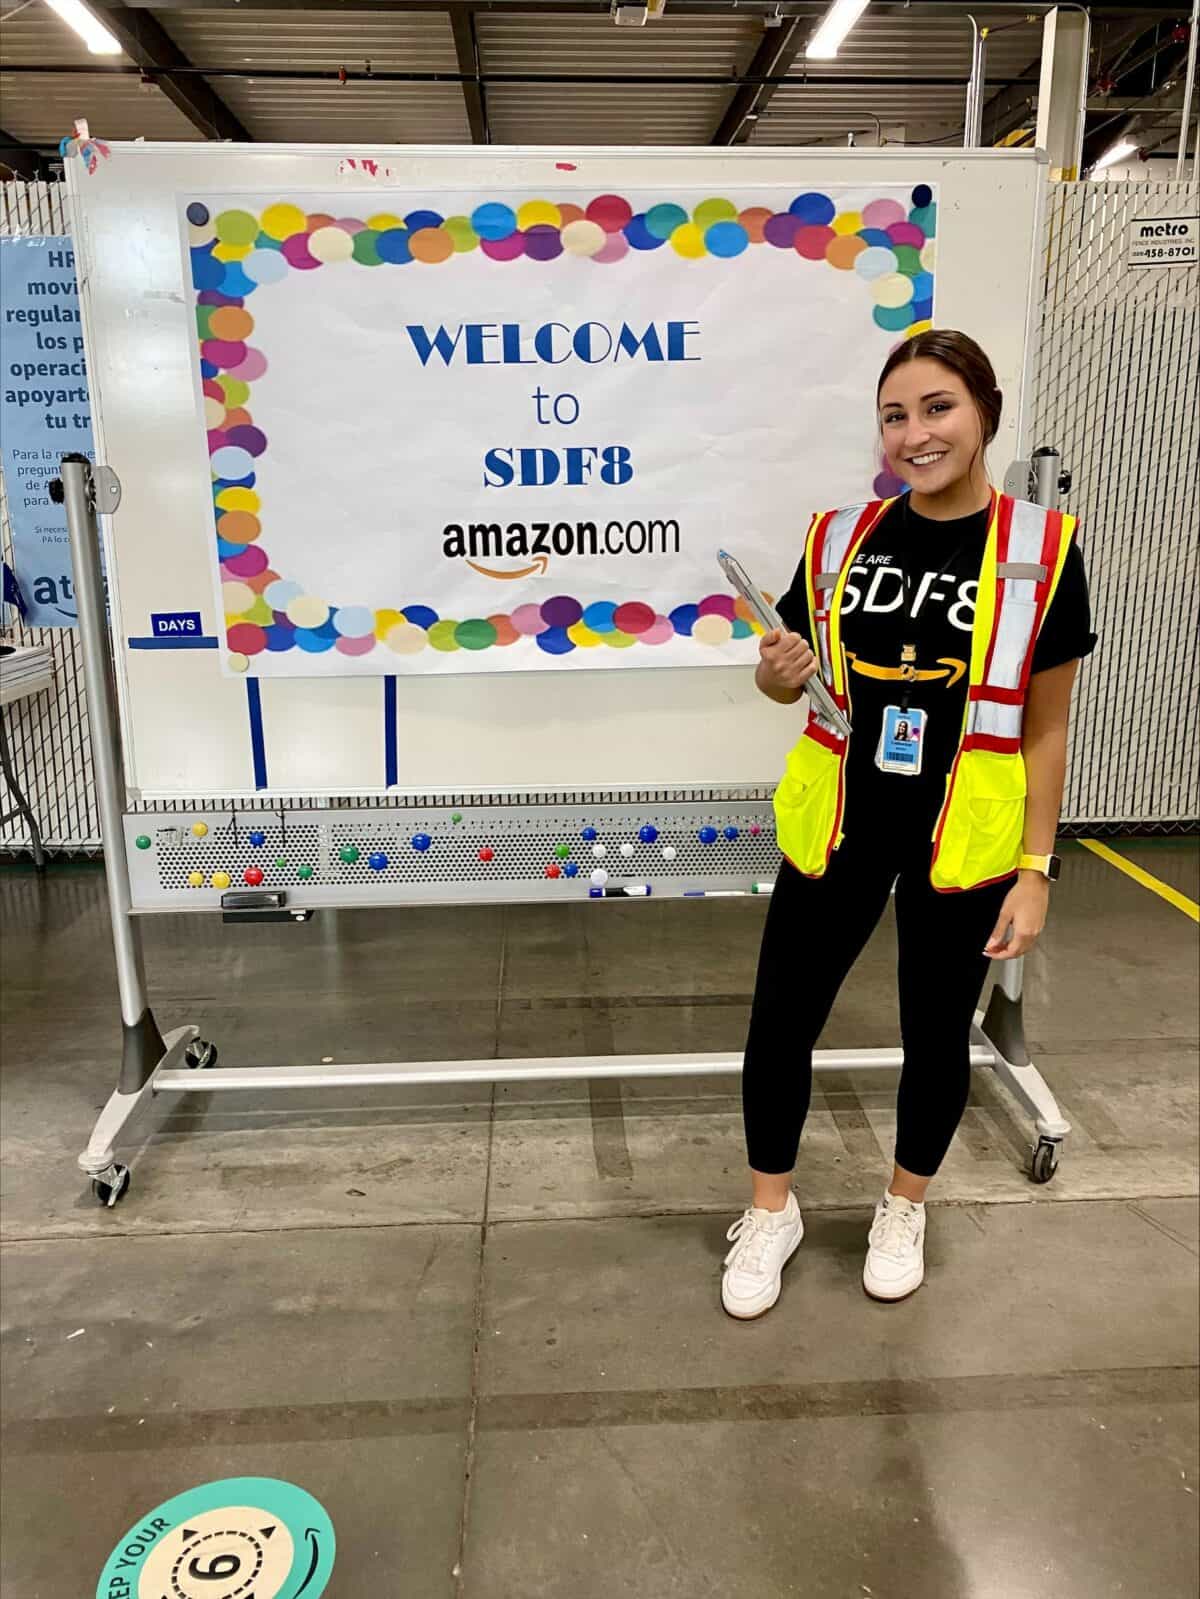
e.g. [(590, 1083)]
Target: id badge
[(901, 742)]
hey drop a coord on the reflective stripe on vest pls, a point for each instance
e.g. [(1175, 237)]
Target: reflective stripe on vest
[(833, 542), (1029, 549)]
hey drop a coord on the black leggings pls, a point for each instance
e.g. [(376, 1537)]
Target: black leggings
[(816, 928)]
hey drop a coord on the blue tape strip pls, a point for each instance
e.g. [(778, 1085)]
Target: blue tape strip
[(390, 757), (194, 642), (257, 743)]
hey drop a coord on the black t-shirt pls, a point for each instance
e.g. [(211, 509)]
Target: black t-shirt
[(910, 563)]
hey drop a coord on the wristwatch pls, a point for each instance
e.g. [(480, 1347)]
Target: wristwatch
[(1048, 865)]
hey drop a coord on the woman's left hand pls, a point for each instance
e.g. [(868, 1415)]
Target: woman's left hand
[(1024, 910)]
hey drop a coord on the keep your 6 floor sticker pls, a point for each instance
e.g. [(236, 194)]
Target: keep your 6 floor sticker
[(242, 1538)]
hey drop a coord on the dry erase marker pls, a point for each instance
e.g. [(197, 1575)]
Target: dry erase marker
[(630, 891), (761, 888), (714, 893)]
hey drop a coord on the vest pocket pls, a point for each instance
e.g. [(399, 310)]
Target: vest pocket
[(806, 805), (985, 823)]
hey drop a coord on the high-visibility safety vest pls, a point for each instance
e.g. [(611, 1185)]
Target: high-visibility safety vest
[(979, 829)]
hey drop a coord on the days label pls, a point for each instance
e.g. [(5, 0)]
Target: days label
[(175, 624), (1164, 241)]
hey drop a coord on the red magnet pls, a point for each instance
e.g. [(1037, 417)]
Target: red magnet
[(254, 876), (487, 854), (553, 870)]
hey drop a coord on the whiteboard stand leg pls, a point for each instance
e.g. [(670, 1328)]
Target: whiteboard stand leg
[(143, 1050), (1002, 1028)]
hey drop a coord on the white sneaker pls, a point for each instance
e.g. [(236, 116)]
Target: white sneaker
[(765, 1241), (895, 1265)]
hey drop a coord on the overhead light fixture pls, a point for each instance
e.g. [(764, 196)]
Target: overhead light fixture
[(1119, 151), (89, 28), (833, 28)]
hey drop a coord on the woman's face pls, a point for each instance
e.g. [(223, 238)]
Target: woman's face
[(931, 430)]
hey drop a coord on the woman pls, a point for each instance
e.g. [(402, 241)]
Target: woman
[(949, 624)]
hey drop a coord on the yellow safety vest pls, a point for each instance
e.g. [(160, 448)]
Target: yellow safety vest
[(979, 830)]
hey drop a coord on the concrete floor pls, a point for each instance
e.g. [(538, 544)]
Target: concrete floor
[(482, 1325)]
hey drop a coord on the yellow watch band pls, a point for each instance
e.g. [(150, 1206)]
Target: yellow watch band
[(1034, 863)]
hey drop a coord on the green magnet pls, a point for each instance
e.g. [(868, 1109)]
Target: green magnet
[(142, 841), (281, 862), (304, 872), (348, 854), (562, 851), (456, 817)]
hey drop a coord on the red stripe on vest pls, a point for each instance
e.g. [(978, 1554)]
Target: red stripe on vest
[(831, 741), (997, 696), (991, 741)]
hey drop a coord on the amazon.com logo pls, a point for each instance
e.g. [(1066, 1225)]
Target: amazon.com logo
[(519, 549)]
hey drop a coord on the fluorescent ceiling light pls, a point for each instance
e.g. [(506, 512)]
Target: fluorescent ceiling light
[(89, 28), (1116, 152), (835, 25)]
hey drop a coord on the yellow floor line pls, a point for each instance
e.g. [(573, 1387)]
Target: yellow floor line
[(1164, 890)]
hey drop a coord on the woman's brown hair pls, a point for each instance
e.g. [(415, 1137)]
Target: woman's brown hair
[(963, 356)]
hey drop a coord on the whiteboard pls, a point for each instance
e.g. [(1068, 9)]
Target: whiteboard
[(190, 731)]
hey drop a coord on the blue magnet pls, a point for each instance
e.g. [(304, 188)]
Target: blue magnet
[(707, 835), (589, 833), (571, 869), (377, 861), (258, 839), (731, 833), (648, 833), (421, 841)]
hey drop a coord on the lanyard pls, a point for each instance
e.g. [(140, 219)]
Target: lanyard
[(914, 624)]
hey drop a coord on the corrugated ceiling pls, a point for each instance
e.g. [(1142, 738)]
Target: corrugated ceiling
[(816, 107)]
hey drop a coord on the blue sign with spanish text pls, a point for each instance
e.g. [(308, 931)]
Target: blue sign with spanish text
[(45, 413)]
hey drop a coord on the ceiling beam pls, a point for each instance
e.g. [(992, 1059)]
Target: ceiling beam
[(1015, 106), (466, 48), (777, 49), (148, 44), (709, 8)]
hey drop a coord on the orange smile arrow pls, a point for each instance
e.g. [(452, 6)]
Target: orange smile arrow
[(540, 563), (947, 667)]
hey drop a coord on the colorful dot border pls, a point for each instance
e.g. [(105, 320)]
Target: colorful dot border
[(889, 245)]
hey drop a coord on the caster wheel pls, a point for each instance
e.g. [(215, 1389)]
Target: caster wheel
[(200, 1054), (1045, 1160), (110, 1190)]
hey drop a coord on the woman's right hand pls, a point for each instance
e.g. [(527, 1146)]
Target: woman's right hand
[(786, 661)]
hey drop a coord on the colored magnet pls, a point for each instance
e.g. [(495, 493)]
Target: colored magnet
[(377, 861), (348, 854), (304, 873), (755, 830), (588, 834), (707, 835), (200, 829), (562, 851), (195, 879), (571, 869), (486, 854), (648, 834), (421, 842), (253, 875), (731, 833), (456, 817), (220, 880), (258, 838), (142, 841), (281, 863), (553, 870)]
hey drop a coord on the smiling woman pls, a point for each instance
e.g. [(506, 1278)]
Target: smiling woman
[(948, 623)]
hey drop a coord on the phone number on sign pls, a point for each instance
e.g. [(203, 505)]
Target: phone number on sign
[(1183, 253)]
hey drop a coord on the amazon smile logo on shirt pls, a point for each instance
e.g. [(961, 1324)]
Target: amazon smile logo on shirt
[(948, 667)]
